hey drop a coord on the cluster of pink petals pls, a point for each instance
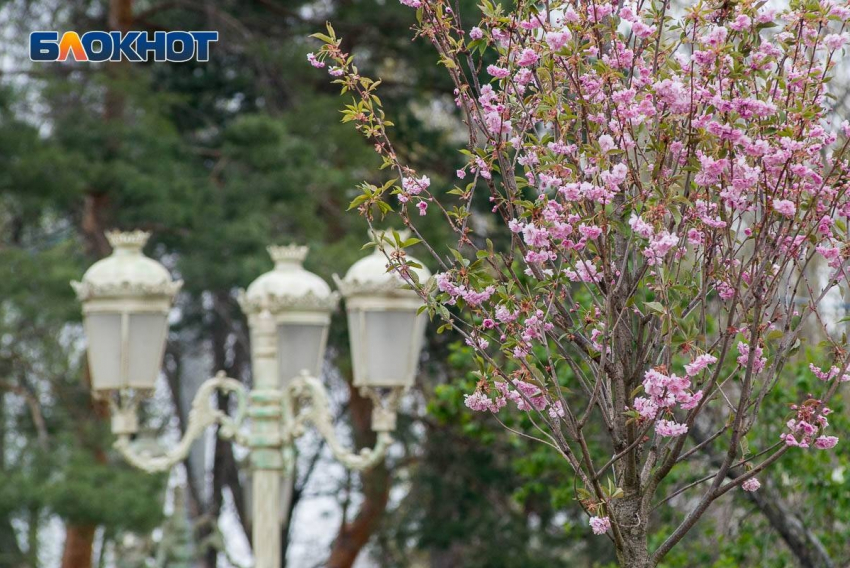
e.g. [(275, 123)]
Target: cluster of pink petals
[(600, 525), (759, 361), (785, 207), (480, 402), (829, 375), (470, 296), (670, 429), (524, 395), (752, 484), (311, 57), (665, 393), (806, 428), (696, 366)]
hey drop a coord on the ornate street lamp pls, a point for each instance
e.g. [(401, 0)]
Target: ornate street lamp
[(126, 299), (385, 329), (301, 304)]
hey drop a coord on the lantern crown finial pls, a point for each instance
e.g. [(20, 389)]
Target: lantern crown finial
[(287, 256), (129, 240)]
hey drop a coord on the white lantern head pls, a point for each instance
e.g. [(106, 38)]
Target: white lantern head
[(301, 304), (385, 330), (126, 298)]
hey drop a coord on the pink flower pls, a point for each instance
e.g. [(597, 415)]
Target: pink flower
[(646, 408), (643, 30), (497, 72), (422, 206), (590, 231), (826, 442), (670, 429), (641, 227), (606, 143), (527, 58), (414, 186), (674, 94), (504, 315), (835, 41), (744, 357), (659, 247), (412, 3), (716, 37), (784, 207), (556, 410), (496, 124), (476, 33), (600, 525), (557, 40), (695, 237), (336, 71), (741, 23), (700, 363), (311, 57), (480, 402), (583, 272), (752, 484)]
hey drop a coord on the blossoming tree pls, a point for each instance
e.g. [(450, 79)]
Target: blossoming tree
[(667, 181)]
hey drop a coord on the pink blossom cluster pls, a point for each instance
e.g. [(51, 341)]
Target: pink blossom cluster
[(829, 375), (524, 395), (700, 363), (807, 426), (470, 296), (665, 392), (759, 361), (600, 525)]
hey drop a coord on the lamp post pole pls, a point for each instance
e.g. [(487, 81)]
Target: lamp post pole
[(267, 457), (126, 298)]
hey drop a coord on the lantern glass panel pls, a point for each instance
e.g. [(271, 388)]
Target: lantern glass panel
[(391, 347), (300, 346), (146, 347), (104, 350)]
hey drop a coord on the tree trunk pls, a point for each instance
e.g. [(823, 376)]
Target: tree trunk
[(79, 540), (632, 548), (802, 542)]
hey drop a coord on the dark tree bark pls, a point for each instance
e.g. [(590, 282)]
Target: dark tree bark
[(802, 542), (79, 541), (633, 550), (10, 551)]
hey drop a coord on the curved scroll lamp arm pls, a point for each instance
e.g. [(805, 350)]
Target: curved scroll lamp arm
[(315, 409), (202, 415)]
